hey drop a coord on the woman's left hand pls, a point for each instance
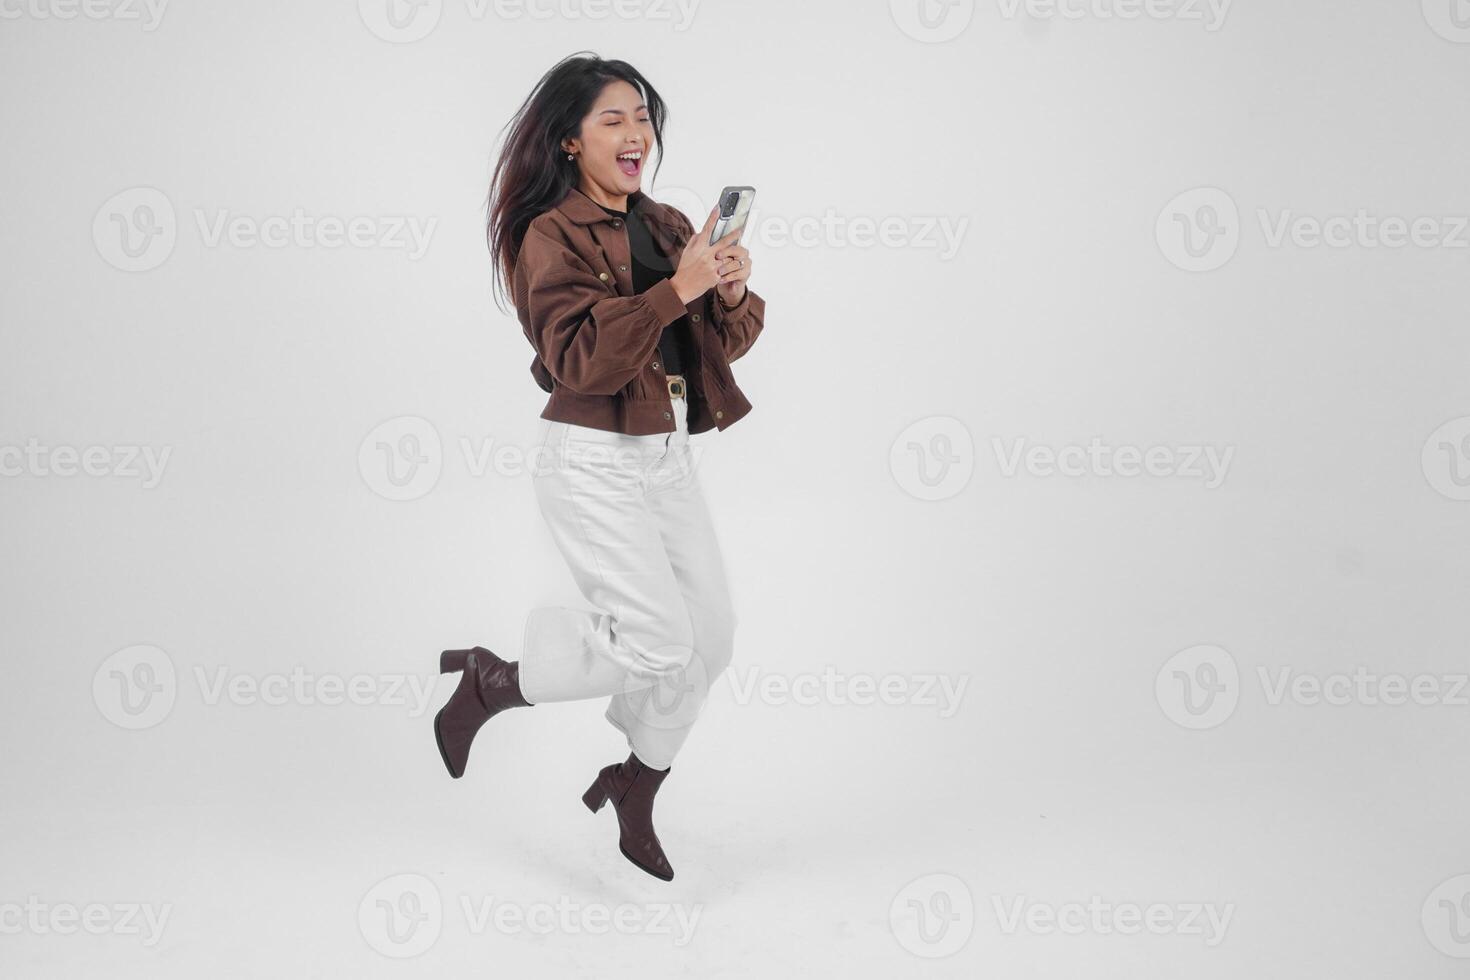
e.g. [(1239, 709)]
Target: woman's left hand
[(734, 270)]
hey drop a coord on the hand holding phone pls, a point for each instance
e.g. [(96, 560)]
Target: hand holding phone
[(707, 261), (734, 208)]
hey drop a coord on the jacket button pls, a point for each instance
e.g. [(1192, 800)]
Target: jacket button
[(719, 415), (696, 318), (622, 268), (602, 276), (617, 222), (667, 415)]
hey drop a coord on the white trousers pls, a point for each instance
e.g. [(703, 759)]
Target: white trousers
[(629, 517)]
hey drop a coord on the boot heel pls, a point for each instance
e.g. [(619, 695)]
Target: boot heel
[(452, 660), (595, 797)]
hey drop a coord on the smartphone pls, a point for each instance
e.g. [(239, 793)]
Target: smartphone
[(735, 205)]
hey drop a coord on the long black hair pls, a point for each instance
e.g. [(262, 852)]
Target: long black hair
[(532, 173)]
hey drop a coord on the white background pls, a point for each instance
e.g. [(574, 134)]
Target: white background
[(1060, 141)]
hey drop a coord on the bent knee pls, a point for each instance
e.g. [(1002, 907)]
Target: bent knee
[(667, 650)]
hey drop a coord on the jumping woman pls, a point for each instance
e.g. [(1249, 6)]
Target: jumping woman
[(634, 317)]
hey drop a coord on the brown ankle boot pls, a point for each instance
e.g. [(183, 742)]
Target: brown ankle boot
[(487, 687), (632, 786)]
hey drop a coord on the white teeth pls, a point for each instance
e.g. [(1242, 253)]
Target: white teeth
[(634, 155)]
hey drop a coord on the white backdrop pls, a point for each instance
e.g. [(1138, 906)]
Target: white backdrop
[(1098, 533)]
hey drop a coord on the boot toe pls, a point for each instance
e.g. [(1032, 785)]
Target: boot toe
[(650, 858)]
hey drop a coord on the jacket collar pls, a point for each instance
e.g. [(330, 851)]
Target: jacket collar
[(582, 210)]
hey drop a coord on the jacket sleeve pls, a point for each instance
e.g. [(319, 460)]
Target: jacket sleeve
[(590, 339), (738, 326), (741, 324)]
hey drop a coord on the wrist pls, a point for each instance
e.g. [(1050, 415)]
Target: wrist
[(730, 294), (680, 287)]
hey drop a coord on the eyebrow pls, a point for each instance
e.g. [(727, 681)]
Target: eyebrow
[(619, 111)]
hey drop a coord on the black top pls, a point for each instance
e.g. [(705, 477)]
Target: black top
[(650, 267)]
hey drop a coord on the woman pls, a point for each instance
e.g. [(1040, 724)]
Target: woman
[(634, 317)]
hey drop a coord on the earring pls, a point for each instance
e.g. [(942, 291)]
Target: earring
[(571, 157)]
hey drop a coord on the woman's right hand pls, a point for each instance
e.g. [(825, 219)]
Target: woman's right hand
[(699, 270)]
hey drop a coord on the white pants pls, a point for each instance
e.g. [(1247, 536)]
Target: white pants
[(629, 517)]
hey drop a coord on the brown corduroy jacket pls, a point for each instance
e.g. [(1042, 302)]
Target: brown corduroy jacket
[(596, 342)]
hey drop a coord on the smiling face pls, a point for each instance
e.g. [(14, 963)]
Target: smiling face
[(614, 144)]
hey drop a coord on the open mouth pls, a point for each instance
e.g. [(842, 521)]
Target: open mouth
[(631, 163)]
